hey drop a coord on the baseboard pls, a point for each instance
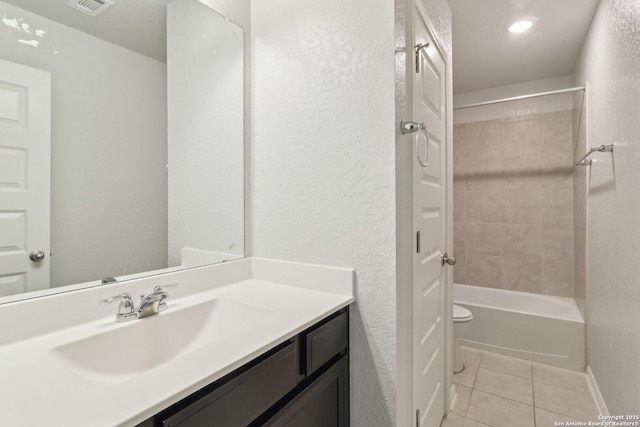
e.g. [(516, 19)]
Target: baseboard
[(595, 392)]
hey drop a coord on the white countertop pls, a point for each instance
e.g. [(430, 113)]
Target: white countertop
[(37, 388)]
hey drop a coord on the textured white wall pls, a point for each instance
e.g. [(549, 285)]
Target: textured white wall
[(544, 104), (323, 165), (206, 131), (610, 63), (108, 136)]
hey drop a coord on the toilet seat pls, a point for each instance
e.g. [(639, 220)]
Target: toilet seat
[(461, 314)]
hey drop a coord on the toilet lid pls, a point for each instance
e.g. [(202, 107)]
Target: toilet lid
[(461, 314)]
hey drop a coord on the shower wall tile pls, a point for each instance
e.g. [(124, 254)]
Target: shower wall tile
[(557, 206), (482, 141), (484, 270), (460, 269), (556, 133), (514, 184), (483, 206), (458, 206), (458, 148), (580, 206), (522, 206), (459, 238), (521, 172), (557, 242), (483, 174), (522, 274), (483, 239), (557, 278), (520, 138), (556, 170), (522, 240)]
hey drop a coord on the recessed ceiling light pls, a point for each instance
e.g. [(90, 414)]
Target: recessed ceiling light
[(520, 26)]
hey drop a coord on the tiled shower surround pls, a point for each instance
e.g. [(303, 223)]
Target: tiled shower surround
[(513, 203)]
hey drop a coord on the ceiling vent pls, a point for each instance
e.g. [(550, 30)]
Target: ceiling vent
[(90, 7)]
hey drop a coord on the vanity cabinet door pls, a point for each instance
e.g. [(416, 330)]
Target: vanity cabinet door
[(325, 403), (244, 398)]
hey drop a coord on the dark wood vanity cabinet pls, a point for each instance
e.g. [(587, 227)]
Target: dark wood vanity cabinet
[(303, 382)]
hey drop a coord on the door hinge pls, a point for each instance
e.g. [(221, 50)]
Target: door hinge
[(417, 417), (418, 242)]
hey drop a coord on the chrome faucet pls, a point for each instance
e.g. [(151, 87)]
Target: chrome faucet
[(155, 302), (150, 304)]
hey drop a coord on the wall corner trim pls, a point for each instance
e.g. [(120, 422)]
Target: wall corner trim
[(595, 392)]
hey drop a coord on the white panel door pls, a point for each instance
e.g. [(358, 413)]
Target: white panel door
[(429, 223), (25, 152)]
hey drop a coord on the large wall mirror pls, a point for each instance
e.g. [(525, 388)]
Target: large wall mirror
[(121, 141)]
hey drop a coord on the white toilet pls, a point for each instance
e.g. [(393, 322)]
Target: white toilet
[(462, 318)]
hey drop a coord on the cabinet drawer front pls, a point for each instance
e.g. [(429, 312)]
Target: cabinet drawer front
[(242, 399), (325, 342)]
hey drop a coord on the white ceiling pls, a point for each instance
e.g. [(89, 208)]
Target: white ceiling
[(138, 25), (486, 55)]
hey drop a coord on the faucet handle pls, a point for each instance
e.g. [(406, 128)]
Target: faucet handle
[(126, 310), (159, 288)]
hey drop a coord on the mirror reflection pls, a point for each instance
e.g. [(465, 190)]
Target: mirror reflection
[(121, 141)]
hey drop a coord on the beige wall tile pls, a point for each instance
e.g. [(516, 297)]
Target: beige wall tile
[(522, 240), (522, 274), (557, 206), (555, 133), (482, 141), (482, 174), (459, 179), (520, 138), (484, 270), (556, 170), (482, 206), (458, 206), (483, 239), (460, 269), (557, 242), (459, 238), (522, 206), (518, 172), (557, 278), (521, 172)]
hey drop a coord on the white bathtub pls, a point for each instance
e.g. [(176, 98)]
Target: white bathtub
[(541, 328)]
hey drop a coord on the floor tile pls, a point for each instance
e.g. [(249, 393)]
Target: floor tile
[(470, 355), (452, 420), (558, 377), (564, 401), (505, 385), (546, 418), (471, 423), (498, 411), (506, 364), (466, 377), (462, 400)]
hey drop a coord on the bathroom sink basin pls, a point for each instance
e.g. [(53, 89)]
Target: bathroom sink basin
[(143, 344)]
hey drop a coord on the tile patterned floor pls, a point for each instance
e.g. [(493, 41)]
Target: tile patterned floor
[(502, 391)]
